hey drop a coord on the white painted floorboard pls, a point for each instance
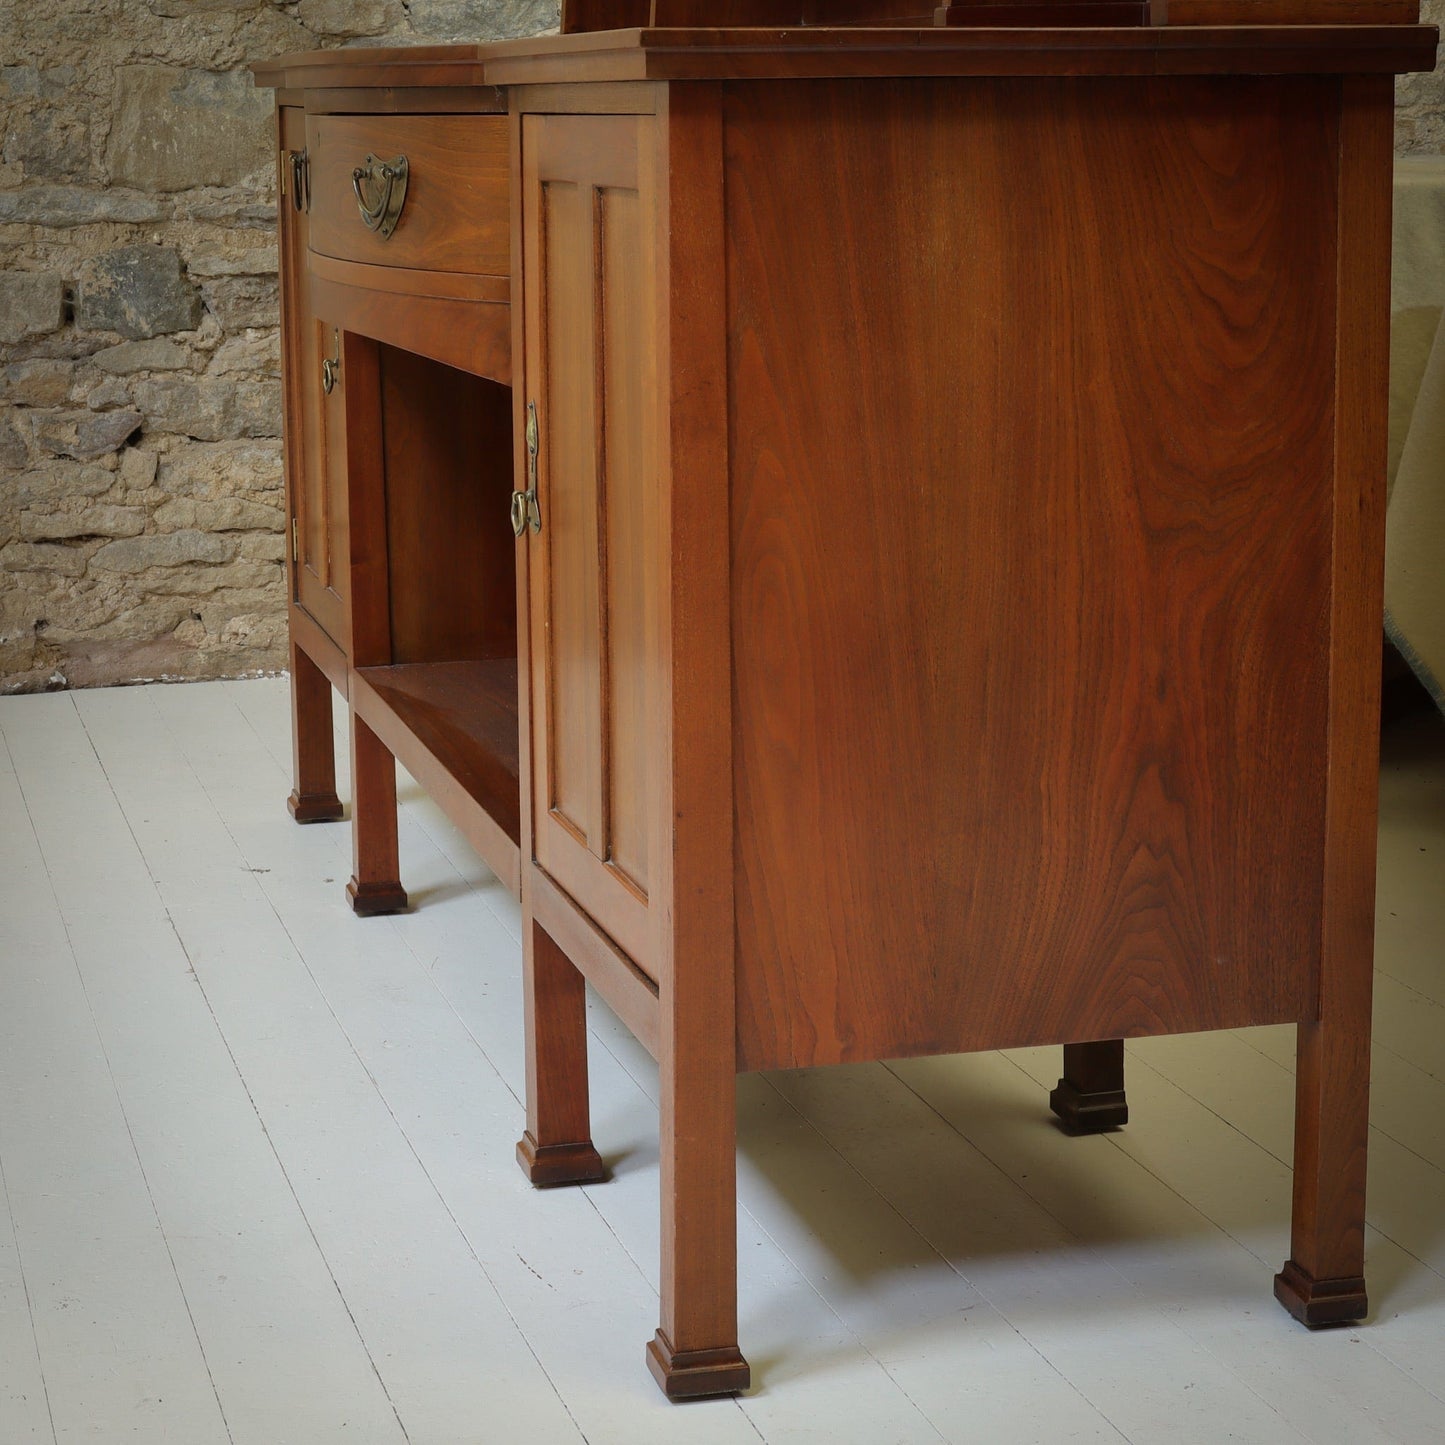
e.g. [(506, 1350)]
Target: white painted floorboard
[(257, 1185)]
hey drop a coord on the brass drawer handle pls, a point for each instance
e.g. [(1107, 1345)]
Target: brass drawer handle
[(380, 188)]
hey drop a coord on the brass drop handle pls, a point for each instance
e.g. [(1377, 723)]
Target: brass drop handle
[(331, 365), (525, 507), (300, 181), (380, 189)]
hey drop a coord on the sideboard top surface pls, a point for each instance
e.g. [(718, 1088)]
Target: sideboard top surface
[(703, 53)]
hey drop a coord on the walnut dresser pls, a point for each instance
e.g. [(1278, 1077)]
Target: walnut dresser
[(871, 523)]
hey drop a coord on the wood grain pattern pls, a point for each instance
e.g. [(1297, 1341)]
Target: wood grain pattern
[(695, 1350), (817, 52), (1323, 1281), (557, 1146), (447, 454), (455, 215), (587, 271), (472, 336), (447, 724), (1291, 12), (375, 884), (1032, 633), (313, 750), (313, 794)]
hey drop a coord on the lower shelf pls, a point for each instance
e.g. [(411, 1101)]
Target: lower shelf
[(453, 726)]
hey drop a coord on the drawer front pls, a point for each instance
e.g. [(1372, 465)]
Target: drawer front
[(454, 216)]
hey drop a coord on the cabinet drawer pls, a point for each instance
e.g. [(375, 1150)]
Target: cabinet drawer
[(454, 216)]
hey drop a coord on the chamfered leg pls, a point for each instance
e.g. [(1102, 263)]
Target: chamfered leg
[(1090, 1096), (557, 1147), (313, 753), (375, 885)]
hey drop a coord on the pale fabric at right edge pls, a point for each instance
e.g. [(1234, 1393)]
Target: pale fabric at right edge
[(1415, 530)]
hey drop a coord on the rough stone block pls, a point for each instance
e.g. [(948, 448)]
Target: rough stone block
[(13, 451), (221, 469), (179, 128), (255, 352), (137, 469), (220, 514), (50, 144), (348, 17), (131, 356), (255, 581), (39, 383), (52, 560), (138, 291), (482, 19), (112, 392), (173, 549), (241, 301), (254, 261), (91, 522), (55, 481), (211, 408), (85, 435), (28, 82), (32, 303), (63, 206)]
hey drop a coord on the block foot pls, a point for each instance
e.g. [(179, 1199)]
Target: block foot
[(1319, 1303), (370, 899), (547, 1165), (314, 807), (1081, 1113), (696, 1374)]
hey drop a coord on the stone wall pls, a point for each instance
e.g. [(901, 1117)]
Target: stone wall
[(141, 515), (141, 520)]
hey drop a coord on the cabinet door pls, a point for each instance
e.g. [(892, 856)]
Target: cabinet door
[(315, 465), (590, 372)]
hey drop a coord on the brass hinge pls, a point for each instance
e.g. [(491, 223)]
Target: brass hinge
[(295, 543)]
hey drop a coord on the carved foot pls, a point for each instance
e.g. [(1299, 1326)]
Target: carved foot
[(369, 899), (1081, 1113), (547, 1165), (314, 807), (696, 1374), (1320, 1302)]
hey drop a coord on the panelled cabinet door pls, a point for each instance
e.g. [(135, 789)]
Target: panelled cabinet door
[(316, 467), (590, 376)]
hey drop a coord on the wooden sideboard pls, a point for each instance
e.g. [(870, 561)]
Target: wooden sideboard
[(874, 533)]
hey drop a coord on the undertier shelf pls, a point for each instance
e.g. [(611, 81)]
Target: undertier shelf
[(460, 718)]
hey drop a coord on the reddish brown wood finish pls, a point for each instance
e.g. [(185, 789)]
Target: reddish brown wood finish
[(1029, 631), (1090, 1097), (375, 885), (951, 622), (313, 751), (557, 1147), (1323, 1281), (454, 217), (695, 1351), (447, 456), (587, 268)]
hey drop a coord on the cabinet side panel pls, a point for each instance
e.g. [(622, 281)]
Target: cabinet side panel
[(1031, 425)]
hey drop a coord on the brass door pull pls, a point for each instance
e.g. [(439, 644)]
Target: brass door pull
[(380, 188), (525, 507), (331, 366)]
